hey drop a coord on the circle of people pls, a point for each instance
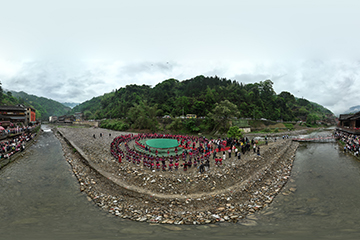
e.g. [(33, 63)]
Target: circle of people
[(196, 151)]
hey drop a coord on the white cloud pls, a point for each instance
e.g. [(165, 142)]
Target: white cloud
[(73, 50), (333, 84)]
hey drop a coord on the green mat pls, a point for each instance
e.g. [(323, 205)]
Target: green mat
[(162, 143)]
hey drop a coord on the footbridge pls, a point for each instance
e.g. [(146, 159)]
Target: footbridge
[(316, 139)]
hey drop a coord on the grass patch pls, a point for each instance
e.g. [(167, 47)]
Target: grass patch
[(114, 124)]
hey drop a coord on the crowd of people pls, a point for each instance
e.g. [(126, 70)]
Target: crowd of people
[(15, 130), (9, 147), (352, 142), (196, 151)]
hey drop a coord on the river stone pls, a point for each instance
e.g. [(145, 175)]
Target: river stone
[(248, 223), (312, 199), (252, 217), (142, 219), (269, 213), (320, 214), (26, 221), (299, 212), (173, 228), (213, 225), (136, 231), (203, 227)]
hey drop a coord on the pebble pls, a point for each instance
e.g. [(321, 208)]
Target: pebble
[(248, 223), (173, 228)]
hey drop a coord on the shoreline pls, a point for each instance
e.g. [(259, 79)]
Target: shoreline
[(226, 193)]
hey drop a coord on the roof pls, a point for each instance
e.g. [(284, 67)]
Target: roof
[(344, 116), (355, 116), (17, 118), (12, 108)]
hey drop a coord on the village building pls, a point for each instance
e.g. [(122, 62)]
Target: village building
[(66, 119), (78, 116), (53, 119), (350, 123), (30, 116), (12, 114)]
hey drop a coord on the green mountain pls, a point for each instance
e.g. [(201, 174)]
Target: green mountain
[(6, 98), (200, 95), (44, 107)]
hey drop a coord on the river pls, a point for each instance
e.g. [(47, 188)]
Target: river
[(40, 199)]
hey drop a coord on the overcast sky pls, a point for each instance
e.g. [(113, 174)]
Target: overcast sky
[(71, 51)]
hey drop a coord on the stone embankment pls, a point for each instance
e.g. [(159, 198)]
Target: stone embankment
[(224, 193)]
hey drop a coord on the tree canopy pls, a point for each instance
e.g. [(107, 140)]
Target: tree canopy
[(205, 97)]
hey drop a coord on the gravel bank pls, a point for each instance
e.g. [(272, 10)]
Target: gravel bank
[(226, 193)]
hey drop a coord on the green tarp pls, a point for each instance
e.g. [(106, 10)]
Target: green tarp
[(162, 143)]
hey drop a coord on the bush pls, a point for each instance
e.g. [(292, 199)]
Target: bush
[(191, 125), (114, 125), (289, 126), (120, 126), (235, 132), (266, 130)]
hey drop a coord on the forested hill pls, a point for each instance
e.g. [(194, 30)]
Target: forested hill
[(44, 107), (199, 96)]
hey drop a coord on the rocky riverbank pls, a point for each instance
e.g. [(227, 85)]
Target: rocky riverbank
[(226, 193)]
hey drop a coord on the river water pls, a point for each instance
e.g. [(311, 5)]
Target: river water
[(40, 199)]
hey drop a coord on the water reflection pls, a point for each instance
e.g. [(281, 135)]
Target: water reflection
[(40, 199)]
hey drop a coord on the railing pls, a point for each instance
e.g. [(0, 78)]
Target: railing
[(318, 139), (349, 130)]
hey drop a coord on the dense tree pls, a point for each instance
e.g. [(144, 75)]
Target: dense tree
[(222, 113), (143, 116), (312, 118), (87, 114), (201, 95)]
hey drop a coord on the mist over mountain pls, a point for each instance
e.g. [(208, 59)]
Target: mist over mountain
[(70, 104), (353, 109)]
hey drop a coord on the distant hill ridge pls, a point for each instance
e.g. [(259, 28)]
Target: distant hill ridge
[(44, 107), (199, 96)]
